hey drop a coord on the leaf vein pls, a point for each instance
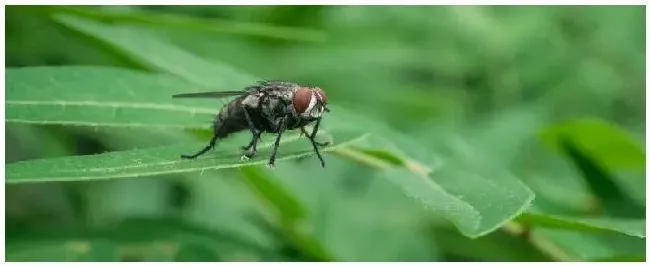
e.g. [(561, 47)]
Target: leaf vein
[(167, 107)]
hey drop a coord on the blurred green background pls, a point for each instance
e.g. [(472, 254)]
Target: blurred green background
[(545, 103)]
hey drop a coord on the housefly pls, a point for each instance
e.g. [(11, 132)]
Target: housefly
[(266, 106)]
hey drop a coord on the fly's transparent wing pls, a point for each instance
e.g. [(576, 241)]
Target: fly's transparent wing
[(209, 94)]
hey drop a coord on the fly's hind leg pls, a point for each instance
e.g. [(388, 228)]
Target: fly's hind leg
[(251, 149), (210, 145)]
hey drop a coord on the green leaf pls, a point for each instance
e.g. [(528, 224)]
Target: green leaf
[(28, 141), (507, 132), (158, 161), (290, 211), (155, 52), (293, 243), (631, 227), (461, 182), (193, 252), (355, 214), (604, 142), (102, 96), (457, 181), (202, 25), (286, 206), (478, 199), (477, 203), (130, 240), (610, 195), (581, 246), (61, 250), (498, 246), (605, 156), (623, 258)]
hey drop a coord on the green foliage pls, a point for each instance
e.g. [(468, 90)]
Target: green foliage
[(138, 239), (632, 227), (153, 19), (147, 162), (154, 52), (609, 145), (441, 149), (474, 202), (69, 95)]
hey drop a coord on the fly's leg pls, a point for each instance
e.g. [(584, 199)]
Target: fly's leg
[(253, 142), (281, 128), (210, 145), (315, 144), (312, 136), (251, 149)]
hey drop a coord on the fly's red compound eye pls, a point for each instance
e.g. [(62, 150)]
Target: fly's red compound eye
[(302, 100)]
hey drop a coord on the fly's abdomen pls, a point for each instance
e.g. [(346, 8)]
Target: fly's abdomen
[(231, 119)]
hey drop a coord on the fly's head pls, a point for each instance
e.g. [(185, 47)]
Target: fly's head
[(310, 103)]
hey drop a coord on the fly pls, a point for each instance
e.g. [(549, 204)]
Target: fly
[(266, 106)]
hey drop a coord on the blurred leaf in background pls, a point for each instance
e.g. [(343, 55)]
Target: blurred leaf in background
[(460, 133)]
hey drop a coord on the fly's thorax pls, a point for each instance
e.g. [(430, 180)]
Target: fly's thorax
[(267, 97), (274, 107), (252, 100)]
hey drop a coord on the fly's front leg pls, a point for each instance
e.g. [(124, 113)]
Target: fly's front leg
[(312, 136), (314, 143), (251, 149), (281, 128)]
